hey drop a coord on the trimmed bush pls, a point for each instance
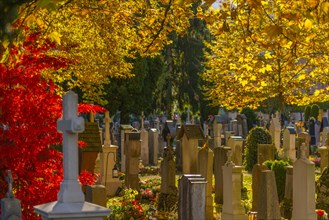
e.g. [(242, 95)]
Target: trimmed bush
[(277, 166), (315, 109), (257, 135)]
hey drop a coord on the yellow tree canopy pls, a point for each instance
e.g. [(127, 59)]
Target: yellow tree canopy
[(267, 49), (104, 35)]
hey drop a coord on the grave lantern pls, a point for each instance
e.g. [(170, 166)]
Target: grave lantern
[(115, 171)]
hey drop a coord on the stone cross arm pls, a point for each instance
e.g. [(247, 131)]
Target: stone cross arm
[(73, 125)]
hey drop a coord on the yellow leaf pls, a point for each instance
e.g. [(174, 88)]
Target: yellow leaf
[(313, 3), (308, 24), (55, 36), (268, 67), (316, 93), (325, 7), (244, 82), (301, 77), (263, 84), (267, 55)]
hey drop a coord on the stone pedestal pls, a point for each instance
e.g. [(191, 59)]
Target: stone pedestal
[(289, 143), (232, 207), (124, 129), (145, 147), (275, 130)]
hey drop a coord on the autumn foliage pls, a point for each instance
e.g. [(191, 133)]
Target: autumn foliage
[(29, 111)]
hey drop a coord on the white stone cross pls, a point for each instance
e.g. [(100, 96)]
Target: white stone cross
[(107, 141), (70, 125), (10, 193)]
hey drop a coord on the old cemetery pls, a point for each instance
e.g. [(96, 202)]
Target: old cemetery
[(163, 169)]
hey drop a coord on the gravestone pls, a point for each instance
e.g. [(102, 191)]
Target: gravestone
[(220, 158), (307, 140), (88, 155), (178, 152), (133, 154), (289, 143), (205, 168), (96, 194), (236, 144), (325, 135), (153, 146), (268, 201), (145, 143), (124, 130), (192, 194), (324, 154), (108, 161), (299, 142), (10, 206), (303, 189), (286, 207), (256, 170), (232, 183), (227, 135), (189, 136), (242, 125), (70, 202), (266, 151), (234, 126), (218, 130), (275, 130), (168, 190)]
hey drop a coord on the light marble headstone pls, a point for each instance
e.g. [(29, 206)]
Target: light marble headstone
[(218, 131), (289, 143), (303, 189), (232, 207), (70, 202), (268, 201), (236, 144), (205, 168)]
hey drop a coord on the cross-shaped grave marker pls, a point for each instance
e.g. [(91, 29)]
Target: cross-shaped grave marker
[(70, 125)]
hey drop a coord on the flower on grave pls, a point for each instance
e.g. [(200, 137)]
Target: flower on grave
[(147, 194), (87, 178), (82, 144), (321, 214)]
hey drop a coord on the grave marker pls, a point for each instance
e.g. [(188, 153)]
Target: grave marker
[(70, 202)]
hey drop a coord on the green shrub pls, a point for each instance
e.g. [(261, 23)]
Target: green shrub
[(315, 111), (257, 135), (307, 113), (277, 166)]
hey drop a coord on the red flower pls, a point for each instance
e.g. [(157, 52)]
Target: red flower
[(320, 212)]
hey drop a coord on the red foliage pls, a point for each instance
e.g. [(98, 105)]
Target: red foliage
[(30, 109), (87, 108)]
